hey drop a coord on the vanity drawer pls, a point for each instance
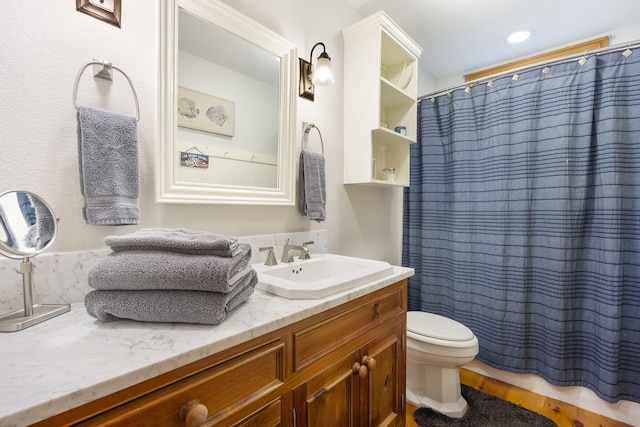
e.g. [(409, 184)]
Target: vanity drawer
[(315, 341), (223, 390), (268, 416)]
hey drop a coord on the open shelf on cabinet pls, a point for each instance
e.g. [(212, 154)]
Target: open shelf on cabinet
[(389, 151), (381, 63), (390, 137), (397, 63), (392, 95)]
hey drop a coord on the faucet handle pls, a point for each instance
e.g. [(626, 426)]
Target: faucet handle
[(304, 254), (271, 256), (286, 256)]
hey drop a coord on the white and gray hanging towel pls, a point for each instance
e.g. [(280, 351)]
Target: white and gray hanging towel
[(155, 270), (174, 306), (312, 192), (108, 157), (179, 240)]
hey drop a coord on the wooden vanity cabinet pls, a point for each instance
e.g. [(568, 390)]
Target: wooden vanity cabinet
[(342, 367)]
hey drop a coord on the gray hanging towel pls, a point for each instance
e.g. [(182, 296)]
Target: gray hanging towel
[(312, 192), (108, 158)]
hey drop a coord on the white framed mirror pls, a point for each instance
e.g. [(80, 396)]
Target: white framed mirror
[(227, 108)]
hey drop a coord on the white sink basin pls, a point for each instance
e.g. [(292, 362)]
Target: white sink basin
[(320, 276)]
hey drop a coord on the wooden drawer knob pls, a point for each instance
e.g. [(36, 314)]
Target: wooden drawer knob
[(358, 369), (369, 361), (193, 413)]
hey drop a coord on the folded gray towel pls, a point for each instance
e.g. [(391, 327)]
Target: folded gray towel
[(166, 306), (153, 270), (311, 186), (176, 240), (108, 158)]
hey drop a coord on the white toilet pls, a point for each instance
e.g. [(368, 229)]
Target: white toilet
[(436, 348)]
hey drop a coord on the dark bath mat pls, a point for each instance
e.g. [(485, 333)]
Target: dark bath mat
[(484, 411)]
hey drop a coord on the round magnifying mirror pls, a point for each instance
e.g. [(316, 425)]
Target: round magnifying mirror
[(27, 224), (27, 227)]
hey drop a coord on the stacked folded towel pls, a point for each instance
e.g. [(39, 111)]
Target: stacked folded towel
[(171, 275), (176, 240)]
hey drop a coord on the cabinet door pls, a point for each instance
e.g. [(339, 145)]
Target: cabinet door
[(384, 393), (330, 398)]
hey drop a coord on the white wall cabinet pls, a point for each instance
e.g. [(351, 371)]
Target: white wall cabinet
[(381, 78)]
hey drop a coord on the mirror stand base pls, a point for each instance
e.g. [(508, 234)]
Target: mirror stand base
[(17, 321)]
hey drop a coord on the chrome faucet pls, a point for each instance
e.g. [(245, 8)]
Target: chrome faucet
[(305, 254), (303, 250)]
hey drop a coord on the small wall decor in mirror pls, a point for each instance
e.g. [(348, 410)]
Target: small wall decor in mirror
[(27, 228), (227, 88)]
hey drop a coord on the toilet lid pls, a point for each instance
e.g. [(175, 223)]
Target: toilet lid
[(435, 326)]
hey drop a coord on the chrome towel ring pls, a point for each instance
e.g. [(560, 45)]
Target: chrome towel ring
[(305, 136), (105, 73)]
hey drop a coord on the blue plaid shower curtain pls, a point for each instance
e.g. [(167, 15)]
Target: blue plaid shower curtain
[(522, 221)]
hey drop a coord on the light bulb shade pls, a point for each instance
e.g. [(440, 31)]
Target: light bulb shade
[(312, 76), (323, 75)]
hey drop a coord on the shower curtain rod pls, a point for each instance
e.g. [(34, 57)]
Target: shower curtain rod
[(567, 58)]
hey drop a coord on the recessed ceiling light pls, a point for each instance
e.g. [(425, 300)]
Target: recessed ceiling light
[(519, 36)]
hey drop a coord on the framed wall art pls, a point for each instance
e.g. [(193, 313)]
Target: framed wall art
[(205, 112)]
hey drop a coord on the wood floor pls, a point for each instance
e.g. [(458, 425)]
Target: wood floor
[(563, 414)]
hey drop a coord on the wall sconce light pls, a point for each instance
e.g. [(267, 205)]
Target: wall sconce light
[(321, 76)]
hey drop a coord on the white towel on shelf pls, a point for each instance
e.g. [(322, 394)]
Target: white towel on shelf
[(108, 159), (312, 194)]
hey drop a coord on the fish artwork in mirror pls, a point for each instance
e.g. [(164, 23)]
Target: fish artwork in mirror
[(28, 227), (227, 99)]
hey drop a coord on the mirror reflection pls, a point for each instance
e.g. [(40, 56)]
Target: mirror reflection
[(27, 224), (227, 107)]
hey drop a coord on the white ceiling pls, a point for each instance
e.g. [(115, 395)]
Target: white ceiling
[(460, 36)]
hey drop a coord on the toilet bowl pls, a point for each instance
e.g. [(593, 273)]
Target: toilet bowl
[(436, 348)]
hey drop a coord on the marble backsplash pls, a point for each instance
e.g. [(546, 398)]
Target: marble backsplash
[(61, 278)]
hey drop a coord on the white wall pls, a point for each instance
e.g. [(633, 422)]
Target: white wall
[(44, 44)]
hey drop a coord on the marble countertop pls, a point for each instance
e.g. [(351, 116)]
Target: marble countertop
[(73, 359)]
